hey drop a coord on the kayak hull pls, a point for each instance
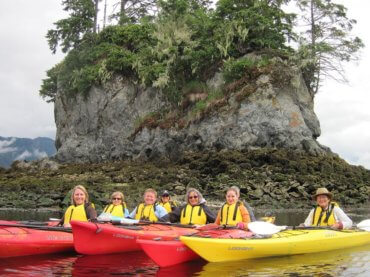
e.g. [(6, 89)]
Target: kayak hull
[(281, 244), (21, 241), (94, 238), (167, 253)]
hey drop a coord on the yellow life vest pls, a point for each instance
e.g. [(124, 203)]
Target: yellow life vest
[(231, 214), (116, 210), (75, 213), (146, 212), (324, 218), (193, 215), (167, 206)]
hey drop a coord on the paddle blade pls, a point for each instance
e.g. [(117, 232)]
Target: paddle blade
[(364, 225), (129, 221), (264, 228)]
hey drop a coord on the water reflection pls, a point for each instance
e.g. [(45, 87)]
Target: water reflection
[(346, 262), (125, 264)]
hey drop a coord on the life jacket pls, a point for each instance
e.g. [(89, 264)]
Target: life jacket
[(146, 212), (167, 206), (324, 218), (231, 214), (76, 213), (193, 215), (116, 210)]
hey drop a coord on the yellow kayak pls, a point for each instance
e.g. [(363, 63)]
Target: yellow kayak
[(284, 243)]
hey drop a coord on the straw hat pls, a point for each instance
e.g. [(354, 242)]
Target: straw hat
[(321, 191)]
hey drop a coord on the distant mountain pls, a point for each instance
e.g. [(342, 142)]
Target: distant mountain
[(12, 148)]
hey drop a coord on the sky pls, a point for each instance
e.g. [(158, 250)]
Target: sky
[(343, 109)]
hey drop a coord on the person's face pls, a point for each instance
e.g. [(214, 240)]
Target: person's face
[(79, 197), (116, 200), (165, 198), (193, 198), (231, 197), (323, 201), (149, 198)]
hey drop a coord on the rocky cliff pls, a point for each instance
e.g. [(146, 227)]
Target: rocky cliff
[(276, 110)]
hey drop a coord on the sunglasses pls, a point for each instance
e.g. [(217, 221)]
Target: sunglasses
[(195, 197), (116, 198)]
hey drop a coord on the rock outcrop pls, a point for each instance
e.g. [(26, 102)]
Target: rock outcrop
[(103, 125)]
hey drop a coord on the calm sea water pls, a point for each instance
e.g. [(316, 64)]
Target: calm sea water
[(347, 262)]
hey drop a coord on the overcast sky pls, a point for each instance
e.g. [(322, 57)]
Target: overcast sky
[(343, 110)]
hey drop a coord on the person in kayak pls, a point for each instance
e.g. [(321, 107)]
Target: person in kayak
[(117, 207), (195, 212), (81, 209), (233, 212), (149, 210), (166, 202), (327, 212)]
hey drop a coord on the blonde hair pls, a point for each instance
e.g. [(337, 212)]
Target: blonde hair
[(80, 187), (152, 191), (200, 196), (117, 193), (234, 189)]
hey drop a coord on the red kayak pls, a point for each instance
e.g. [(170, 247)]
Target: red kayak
[(18, 239), (168, 253), (96, 238)]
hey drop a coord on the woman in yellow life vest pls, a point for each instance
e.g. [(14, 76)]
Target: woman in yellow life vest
[(327, 212), (233, 212), (166, 202), (149, 210), (118, 206), (80, 209), (195, 212)]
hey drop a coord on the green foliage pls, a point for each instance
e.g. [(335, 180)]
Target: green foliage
[(186, 42), (235, 69), (49, 85), (326, 43), (69, 32), (247, 25)]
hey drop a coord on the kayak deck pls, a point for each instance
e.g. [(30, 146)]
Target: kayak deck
[(284, 243)]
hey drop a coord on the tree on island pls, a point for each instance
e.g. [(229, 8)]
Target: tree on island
[(326, 41)]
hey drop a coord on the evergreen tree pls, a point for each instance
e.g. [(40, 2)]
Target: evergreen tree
[(131, 11), (326, 42), (70, 31)]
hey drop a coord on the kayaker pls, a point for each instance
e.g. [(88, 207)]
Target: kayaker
[(118, 206), (233, 212), (166, 202), (81, 209), (327, 212), (195, 212), (149, 210)]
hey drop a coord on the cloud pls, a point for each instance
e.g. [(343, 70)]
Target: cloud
[(23, 156), (4, 146), (39, 154)]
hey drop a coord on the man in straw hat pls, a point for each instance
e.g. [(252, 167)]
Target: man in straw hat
[(327, 212)]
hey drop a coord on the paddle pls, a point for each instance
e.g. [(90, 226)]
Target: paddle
[(266, 228), (38, 227)]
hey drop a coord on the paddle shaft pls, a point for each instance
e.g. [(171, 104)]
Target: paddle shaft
[(42, 228)]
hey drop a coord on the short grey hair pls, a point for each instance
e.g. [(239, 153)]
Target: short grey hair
[(200, 196)]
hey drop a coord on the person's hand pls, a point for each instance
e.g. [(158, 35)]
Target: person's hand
[(337, 226), (301, 225), (67, 225), (241, 225)]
